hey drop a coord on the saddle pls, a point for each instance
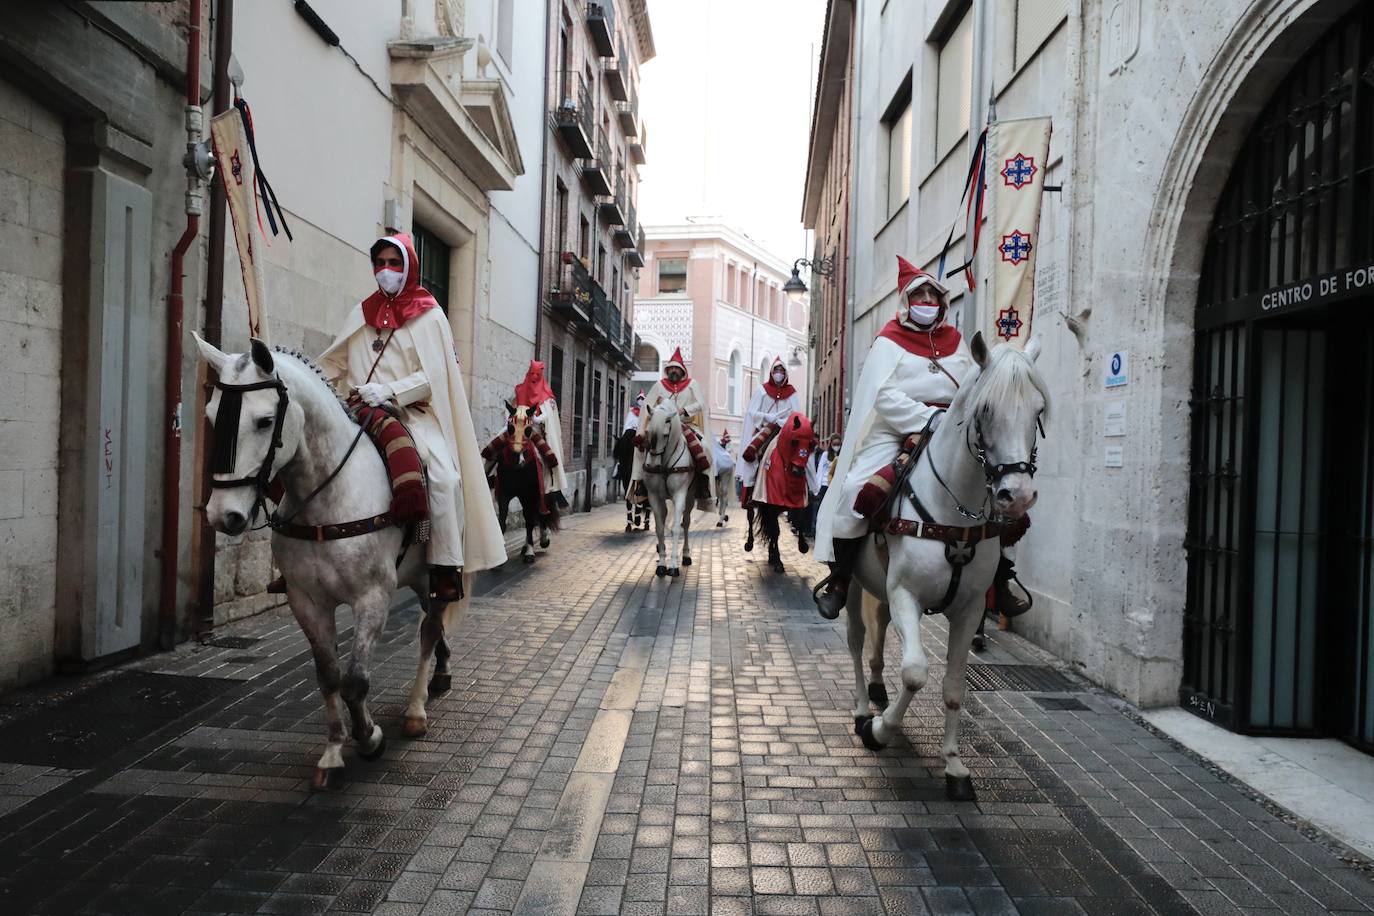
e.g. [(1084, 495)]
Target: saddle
[(759, 443), (409, 500), (878, 494)]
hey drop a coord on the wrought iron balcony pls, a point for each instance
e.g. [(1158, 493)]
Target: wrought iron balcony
[(601, 23), (596, 173), (635, 145), (635, 256), (613, 211), (628, 114), (574, 117), (572, 292), (615, 73), (624, 235)]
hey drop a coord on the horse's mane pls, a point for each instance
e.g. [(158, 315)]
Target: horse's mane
[(310, 366), (1004, 380)]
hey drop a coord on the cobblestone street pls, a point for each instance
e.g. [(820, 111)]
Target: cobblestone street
[(616, 743)]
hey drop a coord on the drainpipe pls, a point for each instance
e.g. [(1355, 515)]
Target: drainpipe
[(543, 286), (213, 331), (171, 438)]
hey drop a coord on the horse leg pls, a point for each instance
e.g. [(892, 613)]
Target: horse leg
[(660, 510), (958, 783), (502, 510), (749, 528), (440, 681), (906, 614), (321, 632), (772, 533), (876, 620), (543, 533), (686, 535), (674, 524), (416, 722), (527, 551), (369, 614), (629, 515), (856, 646)]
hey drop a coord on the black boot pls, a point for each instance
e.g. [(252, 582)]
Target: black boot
[(831, 593), (445, 584), (1009, 601)]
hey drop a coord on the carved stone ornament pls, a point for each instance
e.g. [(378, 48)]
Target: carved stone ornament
[(451, 16)]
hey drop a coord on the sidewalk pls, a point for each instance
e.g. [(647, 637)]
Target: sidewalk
[(616, 743)]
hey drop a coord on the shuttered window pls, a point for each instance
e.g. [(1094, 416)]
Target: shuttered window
[(954, 87), (1036, 20)]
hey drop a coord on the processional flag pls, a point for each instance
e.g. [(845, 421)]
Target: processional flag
[(1017, 159), (245, 187)]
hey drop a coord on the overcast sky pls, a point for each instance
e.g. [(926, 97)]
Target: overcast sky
[(727, 106)]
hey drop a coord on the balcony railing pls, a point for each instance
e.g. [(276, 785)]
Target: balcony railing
[(635, 145), (624, 235), (635, 256), (601, 23), (614, 210), (574, 116), (628, 113), (596, 173), (573, 294), (615, 73)]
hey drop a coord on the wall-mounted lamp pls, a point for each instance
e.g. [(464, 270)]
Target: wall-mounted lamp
[(821, 267)]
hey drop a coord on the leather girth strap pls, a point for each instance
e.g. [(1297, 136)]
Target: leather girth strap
[(960, 545), (334, 532)]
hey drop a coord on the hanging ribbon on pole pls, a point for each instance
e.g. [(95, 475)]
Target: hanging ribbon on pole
[(245, 188), (971, 203), (1019, 152)]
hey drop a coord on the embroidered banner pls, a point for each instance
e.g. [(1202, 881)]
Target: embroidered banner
[(235, 163), (1018, 155)]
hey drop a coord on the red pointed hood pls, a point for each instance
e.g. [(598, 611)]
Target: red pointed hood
[(383, 311), (676, 360), (534, 390), (775, 391), (910, 277)]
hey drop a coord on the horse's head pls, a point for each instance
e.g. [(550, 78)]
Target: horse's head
[(1001, 407), (663, 426), (257, 429), (796, 443)]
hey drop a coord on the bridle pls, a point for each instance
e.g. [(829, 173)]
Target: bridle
[(663, 466), (225, 447), (992, 473)]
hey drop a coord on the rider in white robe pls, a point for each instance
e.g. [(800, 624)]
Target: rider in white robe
[(773, 402), (678, 386), (534, 393), (911, 373), (396, 347)]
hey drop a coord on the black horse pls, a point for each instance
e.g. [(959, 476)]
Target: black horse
[(636, 508), (520, 475), (781, 486)]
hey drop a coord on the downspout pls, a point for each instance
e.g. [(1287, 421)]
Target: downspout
[(852, 213), (171, 438), (213, 331), (543, 285)]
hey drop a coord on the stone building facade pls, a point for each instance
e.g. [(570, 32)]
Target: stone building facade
[(1204, 254), (592, 243)]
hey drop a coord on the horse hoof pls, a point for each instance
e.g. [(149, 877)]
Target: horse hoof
[(720, 524), (674, 572), (867, 737), (415, 727), (661, 571), (859, 723), (726, 519), (748, 545), (629, 527), (376, 752), (877, 695), (327, 780), (440, 683), (979, 644), (960, 788), (543, 543), (527, 557), (686, 561)]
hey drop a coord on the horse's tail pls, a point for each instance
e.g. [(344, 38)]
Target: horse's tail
[(766, 521), (552, 519)]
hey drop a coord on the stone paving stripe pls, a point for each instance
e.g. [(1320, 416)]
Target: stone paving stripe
[(552, 889), (605, 742)]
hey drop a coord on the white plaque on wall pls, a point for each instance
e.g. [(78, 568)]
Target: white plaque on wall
[(1114, 456), (1114, 419)]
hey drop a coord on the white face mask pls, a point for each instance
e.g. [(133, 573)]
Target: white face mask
[(779, 377), (924, 314), (390, 281)]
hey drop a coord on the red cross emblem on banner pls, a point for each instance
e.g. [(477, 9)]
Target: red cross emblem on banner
[(236, 166), (1019, 171), (1015, 247), (1008, 323)]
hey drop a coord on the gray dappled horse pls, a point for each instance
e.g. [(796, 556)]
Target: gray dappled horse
[(289, 425), (667, 476)]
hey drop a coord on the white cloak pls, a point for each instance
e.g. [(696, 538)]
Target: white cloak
[(547, 416), (429, 354), (762, 410), (893, 399), (689, 401)]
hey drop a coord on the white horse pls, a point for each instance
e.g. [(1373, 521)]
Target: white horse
[(668, 473), (289, 424), (978, 468)]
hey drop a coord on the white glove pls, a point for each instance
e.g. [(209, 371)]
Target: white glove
[(374, 394)]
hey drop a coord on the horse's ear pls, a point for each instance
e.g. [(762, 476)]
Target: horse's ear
[(1033, 348), (979, 348), (510, 408), (213, 356), (796, 422), (262, 357)]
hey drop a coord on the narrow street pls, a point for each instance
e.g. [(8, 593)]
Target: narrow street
[(615, 743)]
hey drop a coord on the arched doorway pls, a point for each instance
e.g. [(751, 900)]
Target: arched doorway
[(1279, 623)]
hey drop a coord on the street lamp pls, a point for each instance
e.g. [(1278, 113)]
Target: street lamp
[(794, 361), (795, 287)]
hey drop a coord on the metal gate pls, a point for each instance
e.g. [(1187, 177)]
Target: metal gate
[(1278, 541)]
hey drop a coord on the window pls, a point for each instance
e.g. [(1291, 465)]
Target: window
[(1036, 21), (596, 410), (601, 263), (672, 275), (434, 257), (579, 404), (505, 29), (560, 194), (584, 231), (730, 296), (734, 381), (556, 373), (897, 149), (954, 87)]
